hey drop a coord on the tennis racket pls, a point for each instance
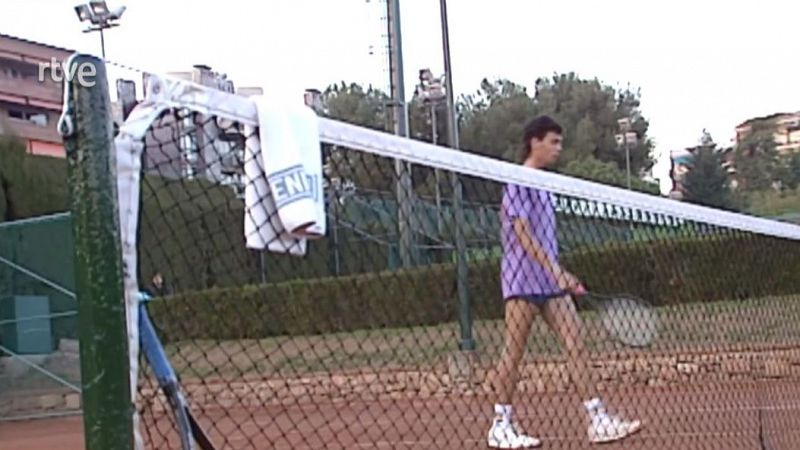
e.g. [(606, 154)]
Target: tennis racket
[(627, 318), (189, 430)]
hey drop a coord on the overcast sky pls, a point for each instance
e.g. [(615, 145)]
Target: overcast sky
[(699, 63)]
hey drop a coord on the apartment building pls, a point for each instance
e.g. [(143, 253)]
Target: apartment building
[(30, 101), (785, 130), (185, 144)]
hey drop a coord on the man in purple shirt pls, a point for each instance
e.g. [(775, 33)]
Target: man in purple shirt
[(533, 280)]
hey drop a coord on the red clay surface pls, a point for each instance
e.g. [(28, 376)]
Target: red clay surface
[(699, 416)]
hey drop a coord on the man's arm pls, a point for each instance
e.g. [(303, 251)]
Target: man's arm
[(535, 250), (531, 245)]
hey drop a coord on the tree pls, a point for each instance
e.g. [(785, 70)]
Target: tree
[(589, 112), (493, 118), (491, 123), (757, 160), (792, 178), (607, 173), (707, 181), (354, 104), (368, 107)]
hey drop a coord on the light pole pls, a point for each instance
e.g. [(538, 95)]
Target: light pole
[(448, 73), (100, 17), (625, 138), (465, 314), (404, 183), (431, 90)]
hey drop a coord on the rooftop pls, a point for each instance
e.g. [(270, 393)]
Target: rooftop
[(767, 117)]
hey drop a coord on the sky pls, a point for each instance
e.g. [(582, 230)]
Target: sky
[(698, 64)]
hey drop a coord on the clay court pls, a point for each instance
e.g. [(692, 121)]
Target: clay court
[(702, 399), (700, 416)]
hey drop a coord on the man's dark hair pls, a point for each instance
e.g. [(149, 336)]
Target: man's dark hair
[(537, 128)]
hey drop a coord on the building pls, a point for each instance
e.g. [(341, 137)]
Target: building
[(30, 97), (680, 164), (186, 144), (785, 128), (180, 144)]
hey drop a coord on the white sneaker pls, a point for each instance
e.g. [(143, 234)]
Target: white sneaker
[(607, 428), (506, 436)]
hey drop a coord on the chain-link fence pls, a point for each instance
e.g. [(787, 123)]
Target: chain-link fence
[(39, 360)]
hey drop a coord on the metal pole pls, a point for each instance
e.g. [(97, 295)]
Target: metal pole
[(108, 412), (335, 232), (437, 175), (448, 73), (102, 43), (628, 161), (402, 168), (465, 314), (435, 137)]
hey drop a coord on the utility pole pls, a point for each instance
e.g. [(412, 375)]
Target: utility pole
[(400, 118)]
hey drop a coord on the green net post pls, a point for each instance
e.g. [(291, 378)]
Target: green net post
[(87, 128)]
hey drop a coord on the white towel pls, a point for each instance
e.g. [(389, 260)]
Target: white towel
[(284, 201)]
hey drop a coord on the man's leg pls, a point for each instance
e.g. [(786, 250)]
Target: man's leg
[(519, 316), (562, 316)]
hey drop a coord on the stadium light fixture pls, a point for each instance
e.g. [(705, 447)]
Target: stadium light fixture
[(625, 139), (99, 8), (100, 17)]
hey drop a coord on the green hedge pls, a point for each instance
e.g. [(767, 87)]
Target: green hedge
[(387, 299), (30, 185), (701, 269)]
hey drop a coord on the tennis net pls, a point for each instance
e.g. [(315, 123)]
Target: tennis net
[(388, 330)]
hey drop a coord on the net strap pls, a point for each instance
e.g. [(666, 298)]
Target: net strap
[(128, 165)]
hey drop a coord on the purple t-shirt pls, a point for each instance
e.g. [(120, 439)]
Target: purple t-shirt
[(520, 273)]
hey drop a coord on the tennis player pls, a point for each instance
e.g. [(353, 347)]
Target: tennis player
[(533, 281)]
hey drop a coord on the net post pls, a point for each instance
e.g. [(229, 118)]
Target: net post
[(87, 130)]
